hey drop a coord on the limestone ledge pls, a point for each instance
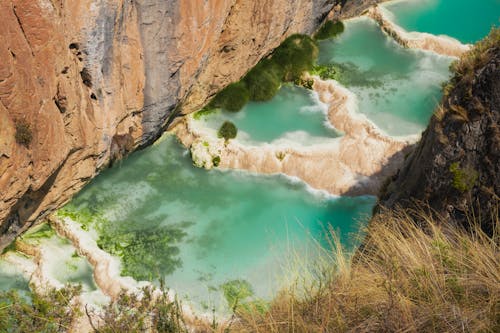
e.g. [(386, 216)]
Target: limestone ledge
[(443, 45), (356, 163)]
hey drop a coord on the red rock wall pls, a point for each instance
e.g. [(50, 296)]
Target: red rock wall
[(96, 79)]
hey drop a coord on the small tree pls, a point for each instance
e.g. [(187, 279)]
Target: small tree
[(228, 130)]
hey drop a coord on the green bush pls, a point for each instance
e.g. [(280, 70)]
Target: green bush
[(216, 161), (232, 98), (23, 133), (51, 312), (329, 30), (304, 83), (264, 80), (325, 72), (295, 56), (228, 130)]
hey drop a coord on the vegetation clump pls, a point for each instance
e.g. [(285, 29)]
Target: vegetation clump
[(264, 80), (463, 179), (204, 112), (23, 135), (140, 313), (216, 161), (51, 312), (296, 55), (147, 250), (232, 98), (227, 131), (329, 29)]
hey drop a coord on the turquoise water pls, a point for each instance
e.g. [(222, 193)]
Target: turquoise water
[(11, 278), (204, 228), (63, 265), (396, 88), (465, 20), (294, 113)]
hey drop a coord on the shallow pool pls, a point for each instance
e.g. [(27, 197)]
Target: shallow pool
[(295, 114), (202, 229), (465, 20), (396, 88)]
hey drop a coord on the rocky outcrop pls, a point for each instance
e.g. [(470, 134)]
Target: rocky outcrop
[(352, 8), (456, 167), (85, 82)]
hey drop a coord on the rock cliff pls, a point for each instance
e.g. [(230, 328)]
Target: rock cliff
[(84, 82), (456, 167)]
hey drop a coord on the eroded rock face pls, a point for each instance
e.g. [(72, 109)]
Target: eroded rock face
[(456, 167), (94, 79)]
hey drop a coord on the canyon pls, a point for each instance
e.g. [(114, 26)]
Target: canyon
[(90, 81)]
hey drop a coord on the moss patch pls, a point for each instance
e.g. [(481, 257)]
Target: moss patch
[(463, 178), (204, 112), (330, 29)]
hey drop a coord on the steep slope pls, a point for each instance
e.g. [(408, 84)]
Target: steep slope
[(84, 82), (456, 167)]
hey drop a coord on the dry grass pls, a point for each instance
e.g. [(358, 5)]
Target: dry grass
[(405, 280), (478, 56)]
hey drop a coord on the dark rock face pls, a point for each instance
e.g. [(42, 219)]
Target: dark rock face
[(351, 8), (455, 169)]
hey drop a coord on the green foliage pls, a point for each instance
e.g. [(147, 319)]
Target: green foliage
[(232, 98), (305, 83), (49, 313), (216, 161), (329, 29), (204, 112), (288, 62), (463, 179), (23, 134), (347, 74), (264, 80), (146, 252), (295, 56), (228, 131), (141, 313), (236, 291), (42, 231), (325, 72)]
